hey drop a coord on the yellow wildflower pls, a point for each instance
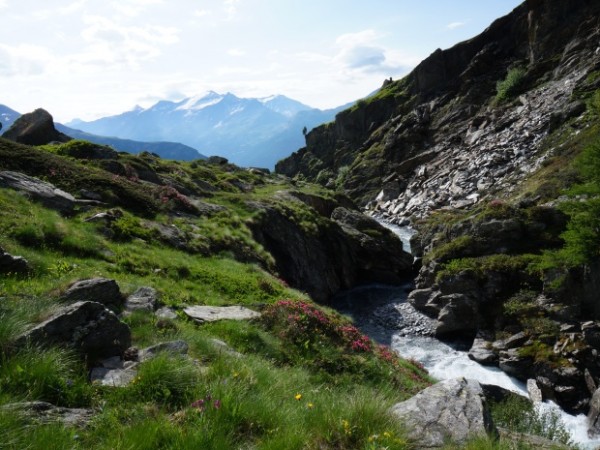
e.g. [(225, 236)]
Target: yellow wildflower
[(298, 396)]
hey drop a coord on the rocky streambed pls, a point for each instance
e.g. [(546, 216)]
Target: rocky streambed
[(383, 313)]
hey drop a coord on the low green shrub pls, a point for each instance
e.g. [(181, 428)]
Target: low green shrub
[(518, 414), (522, 303), (511, 85), (331, 345)]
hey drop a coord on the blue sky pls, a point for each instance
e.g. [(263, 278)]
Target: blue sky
[(90, 58)]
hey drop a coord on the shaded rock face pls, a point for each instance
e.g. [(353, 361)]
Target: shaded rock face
[(100, 290), (435, 134), (449, 410), (87, 327), (339, 253), (16, 265), (35, 128), (46, 193)]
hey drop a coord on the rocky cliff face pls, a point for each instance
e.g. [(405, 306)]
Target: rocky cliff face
[(439, 135), (337, 248)]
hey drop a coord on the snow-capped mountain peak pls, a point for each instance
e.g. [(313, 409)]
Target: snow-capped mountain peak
[(283, 105), (201, 101)]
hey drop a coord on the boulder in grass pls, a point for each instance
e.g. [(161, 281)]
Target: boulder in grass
[(35, 128), (101, 290), (143, 299), (47, 194), (88, 327), (10, 264), (203, 314), (451, 410)]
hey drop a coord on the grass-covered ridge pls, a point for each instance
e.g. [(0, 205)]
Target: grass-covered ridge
[(306, 381)]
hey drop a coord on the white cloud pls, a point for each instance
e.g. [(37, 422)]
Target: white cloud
[(72, 8), (360, 38), (359, 51), (230, 7), (455, 25), (236, 52), (133, 8), (109, 42), (23, 60), (3, 3), (312, 57), (201, 12)]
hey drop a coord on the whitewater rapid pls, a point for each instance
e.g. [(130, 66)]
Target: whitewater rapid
[(368, 304)]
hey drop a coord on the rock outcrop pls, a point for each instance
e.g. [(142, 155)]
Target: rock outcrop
[(100, 290), (87, 327), (434, 139), (35, 128), (341, 249), (42, 191), (454, 410), (202, 314), (15, 265), (144, 298)]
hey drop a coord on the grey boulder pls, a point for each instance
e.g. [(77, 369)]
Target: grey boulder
[(10, 264), (449, 410), (203, 314), (101, 290), (47, 194), (145, 299), (87, 327)]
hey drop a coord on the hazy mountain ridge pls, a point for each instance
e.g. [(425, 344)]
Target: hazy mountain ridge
[(169, 150), (248, 131)]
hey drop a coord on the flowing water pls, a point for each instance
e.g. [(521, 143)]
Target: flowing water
[(383, 313)]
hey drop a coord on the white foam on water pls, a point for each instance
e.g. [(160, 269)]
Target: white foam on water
[(444, 362)]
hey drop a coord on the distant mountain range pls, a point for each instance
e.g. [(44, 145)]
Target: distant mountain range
[(168, 150), (247, 131), (7, 117)]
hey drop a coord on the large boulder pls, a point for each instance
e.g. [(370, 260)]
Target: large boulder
[(457, 316), (481, 351), (453, 410), (48, 194), (87, 327), (35, 128), (101, 290)]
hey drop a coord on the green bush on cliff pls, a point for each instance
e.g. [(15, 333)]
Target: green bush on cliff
[(582, 237), (519, 415), (511, 85)]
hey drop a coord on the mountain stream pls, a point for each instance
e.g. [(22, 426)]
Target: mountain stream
[(383, 313)]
